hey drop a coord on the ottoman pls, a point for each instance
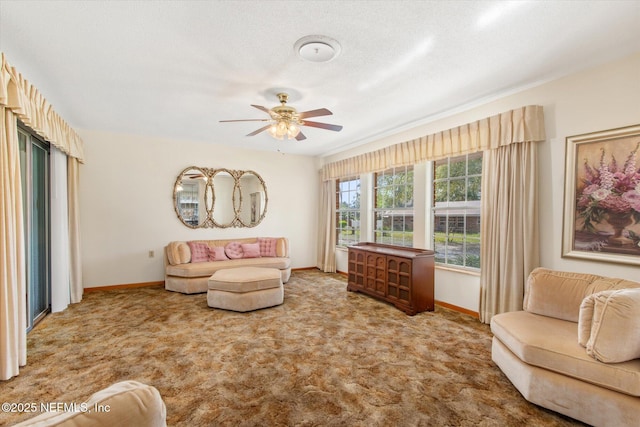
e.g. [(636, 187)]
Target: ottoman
[(245, 289)]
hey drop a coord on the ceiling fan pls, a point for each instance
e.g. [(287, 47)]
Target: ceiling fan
[(286, 122)]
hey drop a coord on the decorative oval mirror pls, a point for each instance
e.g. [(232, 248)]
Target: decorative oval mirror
[(190, 197), (253, 204), (205, 197), (224, 211)]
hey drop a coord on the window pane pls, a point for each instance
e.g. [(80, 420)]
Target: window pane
[(472, 257), (475, 165), (455, 241), (458, 168), (457, 190), (440, 247), (440, 191), (473, 188), (384, 198), (382, 180), (442, 170)]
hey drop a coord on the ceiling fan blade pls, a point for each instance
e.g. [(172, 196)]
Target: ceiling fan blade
[(255, 132), (300, 137), (260, 107), (315, 113), (245, 120), (336, 128)]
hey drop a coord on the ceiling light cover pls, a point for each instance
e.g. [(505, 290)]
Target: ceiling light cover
[(317, 48)]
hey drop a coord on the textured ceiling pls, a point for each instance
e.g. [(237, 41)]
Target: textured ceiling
[(175, 68)]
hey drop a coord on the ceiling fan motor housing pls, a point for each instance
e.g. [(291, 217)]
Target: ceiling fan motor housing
[(286, 121)]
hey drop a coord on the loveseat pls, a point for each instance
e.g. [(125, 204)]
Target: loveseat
[(189, 264), (575, 346), (127, 403)]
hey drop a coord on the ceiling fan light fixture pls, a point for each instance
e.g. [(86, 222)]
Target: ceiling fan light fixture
[(282, 128), (317, 48)]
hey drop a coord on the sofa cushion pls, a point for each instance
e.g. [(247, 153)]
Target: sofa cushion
[(206, 269), (267, 246), (615, 328), (245, 279), (217, 253), (233, 250), (178, 253), (282, 247), (556, 293), (130, 403), (551, 343), (199, 251), (250, 250)]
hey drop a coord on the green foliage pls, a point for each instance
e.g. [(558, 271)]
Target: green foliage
[(394, 191), (472, 260), (454, 180)]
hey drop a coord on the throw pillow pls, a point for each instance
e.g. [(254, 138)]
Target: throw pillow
[(199, 251), (250, 250), (267, 246), (233, 250), (585, 317), (615, 329), (178, 253), (216, 253)]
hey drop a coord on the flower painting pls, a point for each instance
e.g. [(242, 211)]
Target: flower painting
[(602, 196)]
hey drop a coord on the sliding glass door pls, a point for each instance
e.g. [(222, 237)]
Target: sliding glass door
[(34, 168)]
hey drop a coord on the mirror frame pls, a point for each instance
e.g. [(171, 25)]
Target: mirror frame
[(236, 202)]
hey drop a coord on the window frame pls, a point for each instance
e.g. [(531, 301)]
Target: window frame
[(351, 214), (464, 215), (395, 211)]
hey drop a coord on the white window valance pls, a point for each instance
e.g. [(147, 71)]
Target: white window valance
[(28, 104), (518, 125)]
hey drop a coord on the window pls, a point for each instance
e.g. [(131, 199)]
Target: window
[(35, 174), (347, 211), (393, 209), (456, 210)]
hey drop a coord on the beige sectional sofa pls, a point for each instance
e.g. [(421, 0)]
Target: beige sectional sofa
[(575, 346), (127, 403), (184, 275)]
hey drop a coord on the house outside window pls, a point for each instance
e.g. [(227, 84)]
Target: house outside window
[(393, 210), (456, 210), (347, 211)]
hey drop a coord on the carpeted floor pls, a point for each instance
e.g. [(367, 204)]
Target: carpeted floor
[(326, 357)]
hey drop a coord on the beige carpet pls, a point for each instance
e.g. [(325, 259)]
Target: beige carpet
[(326, 357)]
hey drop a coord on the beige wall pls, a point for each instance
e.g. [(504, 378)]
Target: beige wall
[(127, 208), (601, 98)]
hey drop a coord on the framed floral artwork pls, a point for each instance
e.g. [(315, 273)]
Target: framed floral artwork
[(602, 196)]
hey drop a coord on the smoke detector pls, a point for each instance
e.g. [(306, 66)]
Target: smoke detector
[(317, 48)]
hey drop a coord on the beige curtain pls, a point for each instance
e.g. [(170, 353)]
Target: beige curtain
[(13, 305), (521, 124), (75, 270), (21, 100), (327, 227), (509, 228)]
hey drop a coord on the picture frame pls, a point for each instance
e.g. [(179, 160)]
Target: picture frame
[(602, 196)]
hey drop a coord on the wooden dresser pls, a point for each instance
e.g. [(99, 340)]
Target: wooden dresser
[(396, 274)]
